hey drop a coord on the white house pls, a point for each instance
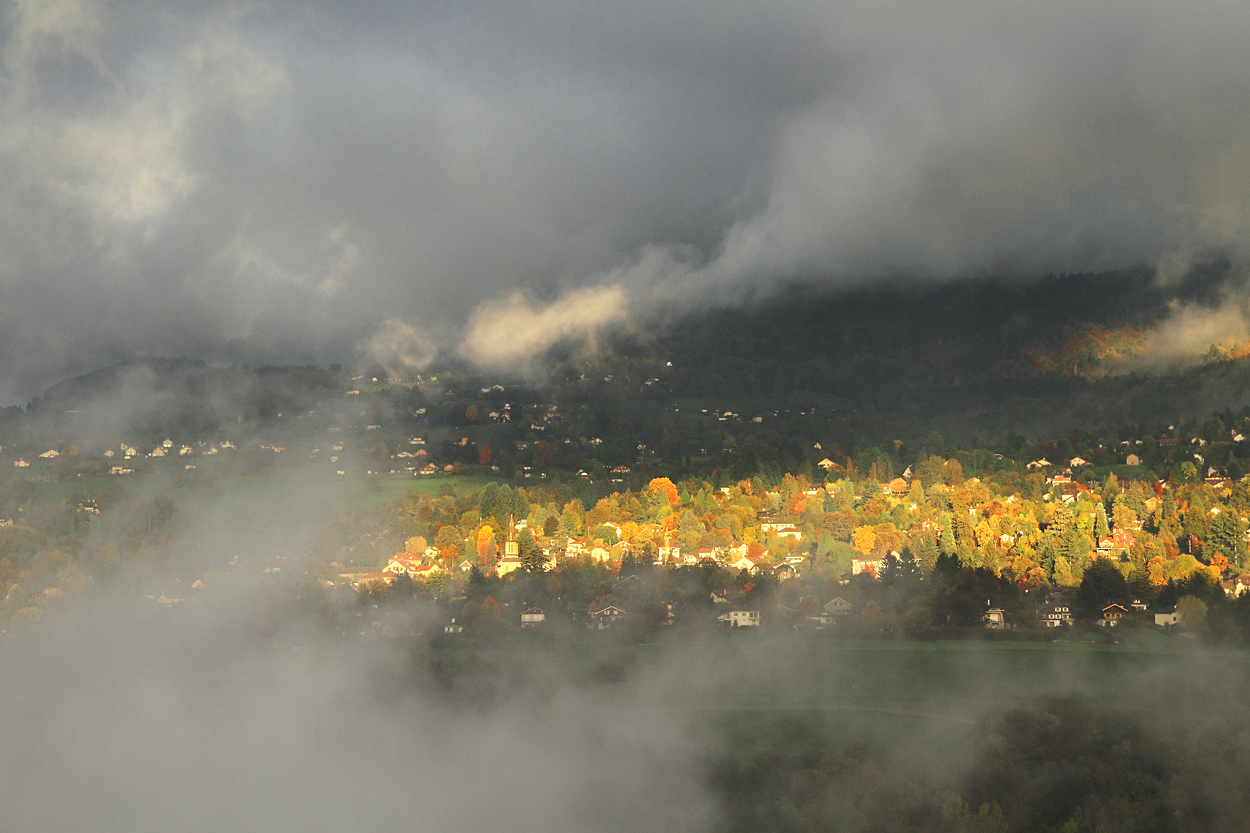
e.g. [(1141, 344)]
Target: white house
[(740, 618)]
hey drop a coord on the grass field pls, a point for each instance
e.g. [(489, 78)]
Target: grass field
[(756, 679)]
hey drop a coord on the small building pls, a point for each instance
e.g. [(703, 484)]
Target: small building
[(533, 617), (1112, 614), (1167, 618), (1057, 615), (790, 532), (838, 607), (605, 617), (740, 618), (872, 566), (1235, 587), (995, 619)]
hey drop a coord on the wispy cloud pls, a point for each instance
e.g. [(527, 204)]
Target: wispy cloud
[(515, 329)]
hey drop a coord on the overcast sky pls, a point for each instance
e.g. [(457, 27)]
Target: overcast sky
[(299, 182)]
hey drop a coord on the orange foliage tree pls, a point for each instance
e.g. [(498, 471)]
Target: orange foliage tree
[(663, 484)]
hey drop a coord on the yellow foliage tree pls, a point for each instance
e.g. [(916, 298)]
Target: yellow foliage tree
[(865, 539)]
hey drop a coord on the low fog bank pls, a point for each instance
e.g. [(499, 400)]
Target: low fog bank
[(244, 715), (257, 710)]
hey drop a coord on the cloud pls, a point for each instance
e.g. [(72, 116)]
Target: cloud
[(516, 329), (398, 346), (172, 180)]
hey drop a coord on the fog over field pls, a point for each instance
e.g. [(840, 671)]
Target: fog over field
[(304, 182), (243, 713)]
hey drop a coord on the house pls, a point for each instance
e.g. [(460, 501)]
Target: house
[(1132, 460), (21, 464), (1112, 614), (1057, 615), (453, 627), (375, 579), (784, 571), (1078, 461), (1167, 618), (790, 532), (1235, 587), (748, 563), (666, 554), (707, 552), (401, 563), (995, 619), (605, 617), (533, 617), (740, 618), (838, 607), (872, 566)]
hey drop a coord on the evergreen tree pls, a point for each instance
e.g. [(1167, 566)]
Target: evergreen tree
[(947, 541)]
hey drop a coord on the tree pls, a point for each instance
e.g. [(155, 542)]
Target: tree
[(531, 555), (1101, 528), (865, 539), (470, 413), (486, 548), (484, 457), (1191, 611), (1102, 583), (662, 485), (947, 541)]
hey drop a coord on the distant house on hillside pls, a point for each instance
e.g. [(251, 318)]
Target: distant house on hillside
[(1057, 615), (838, 607), (740, 618), (605, 617), (1112, 614), (872, 566)]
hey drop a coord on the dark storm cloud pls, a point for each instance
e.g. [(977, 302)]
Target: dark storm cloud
[(278, 181)]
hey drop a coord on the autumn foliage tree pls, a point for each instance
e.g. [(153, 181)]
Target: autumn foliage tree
[(486, 548), (665, 486)]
